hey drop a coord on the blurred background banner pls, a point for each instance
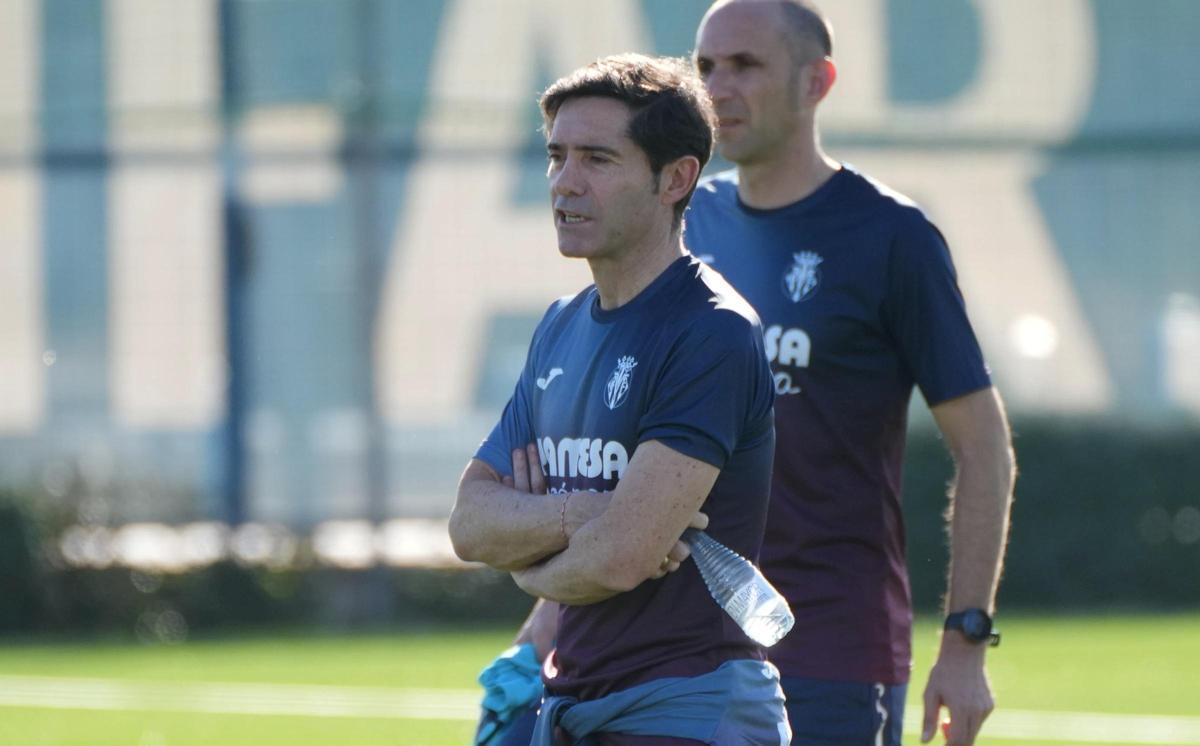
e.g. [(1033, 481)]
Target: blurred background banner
[(275, 263)]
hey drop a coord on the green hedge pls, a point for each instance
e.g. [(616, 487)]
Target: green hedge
[(39, 594), (1105, 516), (21, 581), (230, 596), (168, 608)]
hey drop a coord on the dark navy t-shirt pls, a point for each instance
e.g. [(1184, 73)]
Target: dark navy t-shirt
[(859, 300), (682, 363)]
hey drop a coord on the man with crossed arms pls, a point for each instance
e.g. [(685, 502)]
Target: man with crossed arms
[(645, 398)]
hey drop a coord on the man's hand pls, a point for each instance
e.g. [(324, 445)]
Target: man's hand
[(681, 551), (959, 683), (527, 471)]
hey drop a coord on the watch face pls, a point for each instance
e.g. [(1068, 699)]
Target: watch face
[(976, 625)]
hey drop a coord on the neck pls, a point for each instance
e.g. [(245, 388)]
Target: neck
[(619, 279), (787, 176)]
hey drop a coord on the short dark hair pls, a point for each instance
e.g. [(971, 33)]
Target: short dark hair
[(807, 29), (672, 116)]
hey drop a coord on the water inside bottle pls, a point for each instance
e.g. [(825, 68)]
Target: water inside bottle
[(769, 622), (764, 616), (735, 584)]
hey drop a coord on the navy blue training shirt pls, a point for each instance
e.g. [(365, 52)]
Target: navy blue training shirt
[(682, 363), (859, 300)]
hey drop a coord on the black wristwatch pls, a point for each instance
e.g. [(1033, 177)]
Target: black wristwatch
[(975, 624)]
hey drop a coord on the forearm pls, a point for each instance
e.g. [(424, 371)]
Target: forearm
[(980, 500), (575, 576), (503, 527)]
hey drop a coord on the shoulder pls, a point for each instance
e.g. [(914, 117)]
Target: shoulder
[(715, 309), (563, 305), (882, 198), (894, 204), (562, 310), (717, 188), (569, 305), (910, 227), (713, 214), (726, 301)]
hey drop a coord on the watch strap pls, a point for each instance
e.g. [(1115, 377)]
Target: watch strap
[(957, 620)]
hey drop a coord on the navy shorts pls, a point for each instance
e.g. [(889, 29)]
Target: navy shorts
[(838, 713)]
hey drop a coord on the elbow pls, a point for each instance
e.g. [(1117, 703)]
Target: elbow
[(464, 539), (1005, 464), (460, 537), (469, 547), (472, 545)]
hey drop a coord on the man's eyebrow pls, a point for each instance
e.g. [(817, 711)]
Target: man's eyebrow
[(740, 58), (554, 147)]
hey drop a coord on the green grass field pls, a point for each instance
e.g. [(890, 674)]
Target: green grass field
[(417, 688)]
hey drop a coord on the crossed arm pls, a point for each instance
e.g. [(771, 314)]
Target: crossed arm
[(509, 525), (614, 548)]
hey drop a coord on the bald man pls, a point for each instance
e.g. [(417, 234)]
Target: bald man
[(859, 303)]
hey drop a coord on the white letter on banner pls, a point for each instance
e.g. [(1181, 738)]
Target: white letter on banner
[(983, 201), (167, 361), (22, 365)]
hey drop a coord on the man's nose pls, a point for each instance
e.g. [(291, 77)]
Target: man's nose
[(567, 179), (719, 85)]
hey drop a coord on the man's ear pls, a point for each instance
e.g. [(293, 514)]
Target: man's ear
[(821, 81), (677, 178)]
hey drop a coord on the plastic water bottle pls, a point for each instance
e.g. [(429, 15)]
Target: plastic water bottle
[(740, 589)]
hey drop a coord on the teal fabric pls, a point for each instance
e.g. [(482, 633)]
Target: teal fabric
[(739, 702), (511, 683)]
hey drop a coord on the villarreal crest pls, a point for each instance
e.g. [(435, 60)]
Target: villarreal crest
[(802, 278), (616, 391)]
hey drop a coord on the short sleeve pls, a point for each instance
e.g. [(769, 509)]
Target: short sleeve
[(715, 393), (515, 428), (924, 312)]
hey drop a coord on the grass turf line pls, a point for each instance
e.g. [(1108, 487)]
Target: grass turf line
[(1135, 664)]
